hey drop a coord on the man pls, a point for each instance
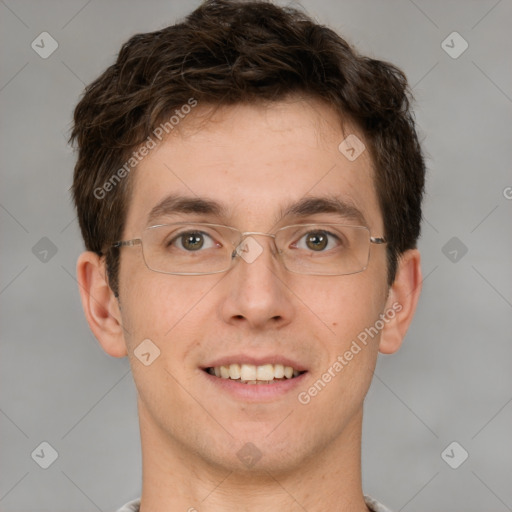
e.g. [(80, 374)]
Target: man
[(249, 191)]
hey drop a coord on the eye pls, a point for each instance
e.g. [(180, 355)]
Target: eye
[(318, 241), (193, 241)]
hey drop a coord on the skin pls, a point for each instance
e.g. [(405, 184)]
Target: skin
[(255, 160)]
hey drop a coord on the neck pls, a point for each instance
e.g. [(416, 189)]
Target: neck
[(177, 479)]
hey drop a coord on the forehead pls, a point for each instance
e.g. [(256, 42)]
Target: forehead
[(256, 166)]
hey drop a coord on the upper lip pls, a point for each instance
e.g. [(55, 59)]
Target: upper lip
[(256, 361)]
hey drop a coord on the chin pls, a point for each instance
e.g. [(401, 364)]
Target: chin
[(260, 452)]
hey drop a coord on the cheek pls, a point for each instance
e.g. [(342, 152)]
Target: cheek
[(162, 307), (348, 306), (344, 304)]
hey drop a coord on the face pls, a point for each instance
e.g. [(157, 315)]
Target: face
[(255, 162)]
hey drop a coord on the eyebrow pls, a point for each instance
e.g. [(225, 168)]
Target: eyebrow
[(186, 204), (314, 205), (306, 206)]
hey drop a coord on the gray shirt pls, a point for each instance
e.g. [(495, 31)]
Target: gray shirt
[(373, 505)]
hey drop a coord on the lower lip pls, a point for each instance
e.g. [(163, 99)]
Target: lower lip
[(255, 392)]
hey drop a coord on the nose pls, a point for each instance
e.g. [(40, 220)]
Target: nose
[(255, 291)]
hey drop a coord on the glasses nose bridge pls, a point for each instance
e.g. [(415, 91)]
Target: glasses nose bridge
[(245, 234), (248, 233)]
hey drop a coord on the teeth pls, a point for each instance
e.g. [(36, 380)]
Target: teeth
[(234, 371), (252, 374), (278, 371), (265, 372), (248, 372)]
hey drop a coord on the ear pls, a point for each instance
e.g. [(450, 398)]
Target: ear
[(100, 304), (401, 302)]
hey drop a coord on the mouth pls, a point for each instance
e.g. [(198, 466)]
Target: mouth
[(250, 374)]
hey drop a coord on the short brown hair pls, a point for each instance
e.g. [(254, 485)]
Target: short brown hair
[(228, 52)]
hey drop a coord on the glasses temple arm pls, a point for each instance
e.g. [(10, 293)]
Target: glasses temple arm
[(127, 243)]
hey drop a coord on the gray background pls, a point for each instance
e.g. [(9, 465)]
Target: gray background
[(452, 379)]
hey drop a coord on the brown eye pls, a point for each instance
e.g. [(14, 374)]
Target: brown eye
[(317, 241), (192, 241)]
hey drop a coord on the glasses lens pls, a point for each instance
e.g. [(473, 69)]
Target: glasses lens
[(314, 249), (184, 248), (324, 249)]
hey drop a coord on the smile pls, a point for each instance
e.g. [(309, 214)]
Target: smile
[(254, 374)]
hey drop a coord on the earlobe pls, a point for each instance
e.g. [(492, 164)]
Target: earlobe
[(100, 305), (402, 300)]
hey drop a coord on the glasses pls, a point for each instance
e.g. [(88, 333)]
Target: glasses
[(197, 249)]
